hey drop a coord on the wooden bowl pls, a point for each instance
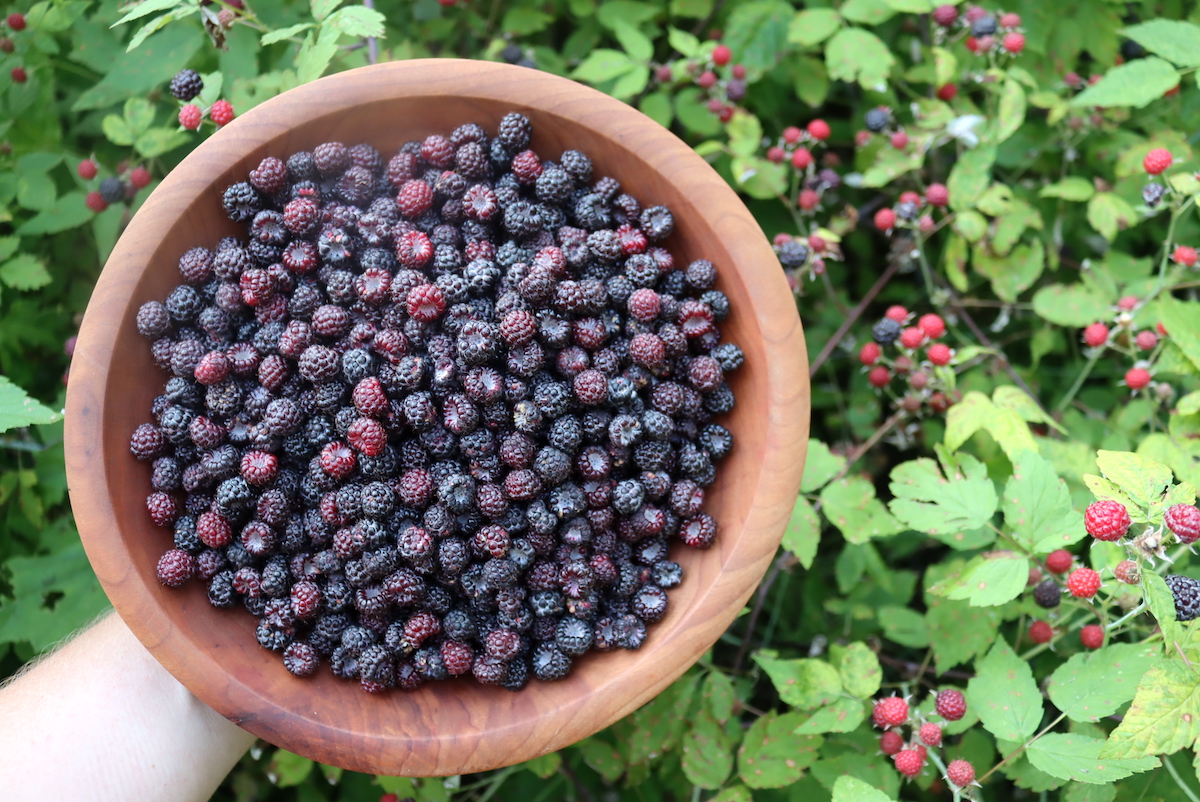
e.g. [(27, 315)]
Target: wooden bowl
[(459, 726)]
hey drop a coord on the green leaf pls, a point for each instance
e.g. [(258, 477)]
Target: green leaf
[(904, 626), (1010, 396), (890, 164), (926, 501), (1136, 83), (315, 55), (289, 769), (684, 43), (991, 580), (1188, 405), (634, 12), (1005, 695), (271, 37), (18, 409), (1109, 214), (804, 683), (996, 201), (972, 226), (136, 73), (657, 106), (1075, 757), (707, 755), (521, 21), (9, 245), (1011, 114), (117, 130), (139, 114), (1074, 305), (603, 64), (803, 533), (843, 715), (867, 12), (1079, 792), (1174, 40), (745, 134), (358, 21), (757, 32), (739, 792), (634, 42), (812, 26), (1144, 480), (859, 670), (24, 272), (1161, 602), (959, 632), (855, 54), (603, 757), (1012, 274), (631, 83), (970, 176), (810, 81), (772, 756), (146, 8), (1093, 685), (545, 766), (852, 789), (157, 141), (323, 8), (65, 574), (820, 465), (851, 506), (1073, 188), (1164, 716), (1182, 322), (692, 9), (718, 695), (976, 411), (1037, 506)]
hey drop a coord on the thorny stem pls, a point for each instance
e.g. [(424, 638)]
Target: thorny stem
[(852, 318), (1023, 747), (937, 761), (1179, 780)]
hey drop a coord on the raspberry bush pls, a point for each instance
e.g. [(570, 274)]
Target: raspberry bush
[(987, 589)]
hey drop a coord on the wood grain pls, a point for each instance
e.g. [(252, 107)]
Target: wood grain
[(451, 727)]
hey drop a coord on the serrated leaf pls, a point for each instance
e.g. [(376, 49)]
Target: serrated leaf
[(1109, 214), (991, 580), (1011, 114), (289, 769), (684, 43), (1072, 188), (545, 766), (759, 178), (314, 56), (851, 506), (1081, 792), (521, 21), (1015, 272), (1161, 602), (757, 31), (1023, 773), (1005, 695), (1136, 83), (1164, 716), (926, 501), (802, 683), (959, 632), (996, 201), (972, 226), (855, 54), (358, 21), (1174, 40), (603, 758), (904, 626), (970, 176), (1092, 685), (157, 141), (323, 8), (146, 8), (803, 532), (718, 695), (1008, 396), (1075, 757), (603, 64), (117, 130), (271, 37), (859, 670), (634, 42), (1142, 479), (1075, 305), (771, 755), (852, 789), (820, 465), (707, 755), (65, 573), (734, 793), (976, 411), (1037, 506), (890, 164), (24, 272), (867, 12), (745, 134), (631, 83), (843, 715), (18, 409), (811, 26), (1182, 322)]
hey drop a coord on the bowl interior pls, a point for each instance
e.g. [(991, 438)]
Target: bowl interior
[(458, 726)]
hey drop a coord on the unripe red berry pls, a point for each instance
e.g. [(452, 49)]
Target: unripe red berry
[(897, 313), (221, 113), (1184, 522), (818, 244), (961, 773), (1146, 340), (1095, 335), (190, 116), (1013, 42), (1185, 255), (869, 354), (1092, 636), (947, 92), (95, 202), (775, 155), (890, 711), (1137, 378), (802, 158), (891, 742), (879, 376), (721, 55), (19, 75), (819, 130), (899, 140), (1106, 520), (663, 73), (86, 169), (945, 15), (809, 199), (1059, 561), (1041, 632), (937, 195), (912, 337), (139, 177), (792, 134), (908, 762), (1083, 583), (933, 325), (1157, 161), (885, 219), (951, 704), (930, 734), (1128, 571), (707, 79), (16, 21)]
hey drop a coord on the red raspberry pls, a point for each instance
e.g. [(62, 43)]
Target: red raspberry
[(19, 75), (961, 773), (792, 134), (1185, 255), (1184, 522), (870, 353), (16, 21), (526, 166), (369, 397), (819, 130), (890, 711), (1128, 571), (721, 55), (862, 138), (945, 15), (213, 368), (932, 325), (885, 219), (337, 460), (87, 169), (438, 151), (1059, 561), (1040, 632), (818, 244), (139, 177), (190, 116), (175, 567), (426, 303), (891, 742), (1092, 636), (908, 762), (221, 113), (368, 436), (937, 195), (1095, 335), (415, 198), (1107, 520), (162, 509), (591, 387), (644, 305), (1146, 340), (879, 376), (95, 202), (259, 467), (912, 337), (421, 627), (930, 734), (1157, 161), (457, 656), (802, 158), (899, 140), (1083, 583), (1137, 378), (947, 92), (951, 704), (1013, 42), (305, 598)]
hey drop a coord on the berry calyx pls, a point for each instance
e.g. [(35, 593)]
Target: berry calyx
[(1040, 632), (908, 762), (951, 704), (961, 773), (1185, 255), (891, 711), (1095, 335), (1083, 583), (1092, 636), (87, 169), (1107, 520), (1157, 161), (1137, 378), (221, 113), (1059, 561), (1184, 522), (190, 116)]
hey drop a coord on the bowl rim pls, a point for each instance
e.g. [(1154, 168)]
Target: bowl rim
[(390, 753)]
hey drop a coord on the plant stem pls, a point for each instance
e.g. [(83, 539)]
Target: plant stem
[(1165, 261), (1079, 380), (1023, 747), (1179, 780), (851, 319), (373, 50)]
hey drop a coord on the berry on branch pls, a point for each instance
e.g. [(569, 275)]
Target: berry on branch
[(1106, 520), (1083, 583)]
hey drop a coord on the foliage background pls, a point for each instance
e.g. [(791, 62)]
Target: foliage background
[(903, 502)]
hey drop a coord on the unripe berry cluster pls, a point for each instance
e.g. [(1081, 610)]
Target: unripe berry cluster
[(721, 82), (906, 351), (909, 754), (913, 211), (186, 87)]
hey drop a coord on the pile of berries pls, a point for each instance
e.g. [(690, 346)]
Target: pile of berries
[(438, 415), (892, 714), (926, 384), (185, 87)]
